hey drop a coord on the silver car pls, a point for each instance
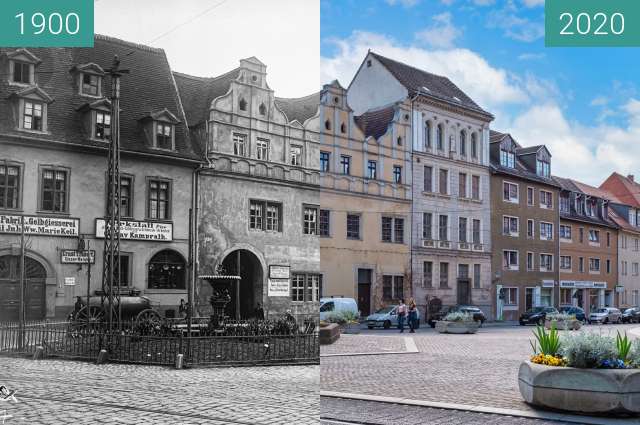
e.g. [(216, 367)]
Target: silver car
[(605, 315), (387, 317)]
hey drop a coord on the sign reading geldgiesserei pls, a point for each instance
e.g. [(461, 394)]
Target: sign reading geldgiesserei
[(40, 226)]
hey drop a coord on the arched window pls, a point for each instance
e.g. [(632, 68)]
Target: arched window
[(440, 137), (463, 143), (474, 146), (427, 135), (262, 109), (327, 125), (243, 104), (343, 128), (167, 270), (399, 141)]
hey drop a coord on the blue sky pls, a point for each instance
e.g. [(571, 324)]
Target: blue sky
[(581, 102)]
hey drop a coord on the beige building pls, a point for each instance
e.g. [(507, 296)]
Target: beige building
[(365, 222)]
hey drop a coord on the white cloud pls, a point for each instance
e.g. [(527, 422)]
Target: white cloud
[(405, 3), (599, 101), (442, 34), (533, 3), (531, 56), (514, 26), (483, 2)]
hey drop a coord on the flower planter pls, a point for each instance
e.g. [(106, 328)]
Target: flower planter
[(329, 334), (572, 325), (445, 327), (351, 328), (582, 391)]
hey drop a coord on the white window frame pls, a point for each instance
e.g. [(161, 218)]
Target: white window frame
[(531, 222), (542, 224), (531, 266), (550, 195), (531, 201), (512, 267), (566, 269), (510, 233), (515, 200), (508, 301), (563, 239), (544, 269), (262, 145), (592, 260)]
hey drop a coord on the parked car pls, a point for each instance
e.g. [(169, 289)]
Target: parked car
[(387, 317), (536, 315), (330, 306), (631, 315), (605, 315), (574, 311), (478, 315)]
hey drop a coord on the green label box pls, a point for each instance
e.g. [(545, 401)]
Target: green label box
[(592, 23), (46, 23)]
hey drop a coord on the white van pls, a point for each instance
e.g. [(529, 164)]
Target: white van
[(329, 306)]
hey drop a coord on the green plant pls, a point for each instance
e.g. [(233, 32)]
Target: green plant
[(623, 345), (560, 317), (634, 356), (350, 316), (458, 317), (547, 343), (588, 350)]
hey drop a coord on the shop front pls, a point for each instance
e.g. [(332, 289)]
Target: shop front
[(587, 295)]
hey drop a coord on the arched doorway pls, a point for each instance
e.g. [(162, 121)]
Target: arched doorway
[(35, 285), (245, 264)]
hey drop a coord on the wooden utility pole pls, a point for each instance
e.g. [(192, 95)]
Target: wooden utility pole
[(22, 310)]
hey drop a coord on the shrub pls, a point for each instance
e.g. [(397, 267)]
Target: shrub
[(560, 317), (589, 350), (634, 355), (458, 317), (547, 343)]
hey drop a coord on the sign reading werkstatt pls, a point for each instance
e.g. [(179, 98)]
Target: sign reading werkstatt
[(139, 230), (40, 226)]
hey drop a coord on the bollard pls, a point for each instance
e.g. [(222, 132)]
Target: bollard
[(179, 358), (102, 357), (39, 353)]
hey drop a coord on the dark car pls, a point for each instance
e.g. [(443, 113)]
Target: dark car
[(478, 315), (631, 315), (574, 311), (536, 315)]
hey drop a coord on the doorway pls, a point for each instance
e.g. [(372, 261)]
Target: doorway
[(245, 264), (364, 291), (464, 291), (529, 296), (35, 281)]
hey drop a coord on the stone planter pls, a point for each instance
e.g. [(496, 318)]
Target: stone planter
[(582, 391), (572, 325), (351, 328), (329, 334), (457, 327)]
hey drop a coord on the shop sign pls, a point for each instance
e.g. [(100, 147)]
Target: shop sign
[(548, 283), (619, 288), (139, 230), (279, 272), (74, 256), (40, 226), (582, 284), (278, 288), (69, 281)]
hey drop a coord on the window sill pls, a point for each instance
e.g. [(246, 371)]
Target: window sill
[(17, 84), (9, 211), (26, 130), (153, 220), (91, 96), (54, 213)]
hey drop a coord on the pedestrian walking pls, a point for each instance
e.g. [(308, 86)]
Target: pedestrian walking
[(413, 315), (402, 314)]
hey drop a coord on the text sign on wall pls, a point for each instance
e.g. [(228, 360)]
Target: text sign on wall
[(278, 288), (139, 230), (279, 272), (74, 256), (40, 226)]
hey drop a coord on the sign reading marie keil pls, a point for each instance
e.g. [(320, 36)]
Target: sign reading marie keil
[(40, 226), (46, 23)]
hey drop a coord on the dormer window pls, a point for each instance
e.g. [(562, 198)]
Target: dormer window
[(102, 128), (543, 168), (90, 84), (22, 65), (21, 73), (31, 109), (507, 159), (164, 135), (32, 116), (160, 128), (97, 117), (89, 79)]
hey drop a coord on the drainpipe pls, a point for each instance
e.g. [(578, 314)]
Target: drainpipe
[(411, 226)]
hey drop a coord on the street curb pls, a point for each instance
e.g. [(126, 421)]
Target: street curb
[(409, 344), (537, 414)]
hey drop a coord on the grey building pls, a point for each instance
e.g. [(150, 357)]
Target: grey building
[(258, 197)]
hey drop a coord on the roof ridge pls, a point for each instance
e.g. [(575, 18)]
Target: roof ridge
[(207, 79), (410, 66), (299, 98), (135, 45)]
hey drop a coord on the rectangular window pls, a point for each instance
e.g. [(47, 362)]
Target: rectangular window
[(594, 236), (565, 296), (353, 226), (565, 262), (609, 240), (475, 188), (581, 234), (510, 226), (310, 220), (546, 231), (392, 287), (239, 144), (392, 229), (581, 264), (158, 199), (397, 174), (126, 196), (510, 260), (265, 215), (90, 84), (594, 265), (296, 155), (427, 223), (21, 72), (54, 190), (546, 262), (325, 223), (125, 270), (305, 287), (443, 228), (530, 265), (398, 287), (262, 149), (32, 119), (462, 229), (530, 195), (510, 296), (372, 170), (477, 283), (608, 267), (462, 185), (443, 182), (345, 164), (103, 125), (476, 231), (543, 168), (9, 186), (565, 232), (428, 179), (325, 161), (510, 192), (463, 271), (530, 229), (634, 268), (272, 223), (444, 275), (163, 136), (507, 159), (565, 204), (387, 229), (427, 274), (297, 287), (546, 199), (398, 230)]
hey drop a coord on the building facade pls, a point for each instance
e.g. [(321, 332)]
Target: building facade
[(365, 216), (258, 198), (588, 247), (451, 244), (525, 222), (54, 134)]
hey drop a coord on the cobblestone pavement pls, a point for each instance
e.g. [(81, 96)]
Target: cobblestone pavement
[(478, 369), (66, 392), (337, 411), (371, 344)]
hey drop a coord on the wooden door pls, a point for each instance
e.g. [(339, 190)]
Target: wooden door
[(35, 281)]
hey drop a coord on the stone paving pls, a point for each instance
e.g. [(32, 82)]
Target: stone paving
[(478, 369), (350, 344), (66, 392)]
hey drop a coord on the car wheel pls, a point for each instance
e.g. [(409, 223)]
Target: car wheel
[(605, 321), (432, 324), (387, 324), (522, 323), (540, 322)]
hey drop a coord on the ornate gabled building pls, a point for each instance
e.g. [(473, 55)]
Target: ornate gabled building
[(365, 216), (258, 198), (451, 229)]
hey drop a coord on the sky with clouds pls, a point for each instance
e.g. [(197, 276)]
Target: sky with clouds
[(583, 103)]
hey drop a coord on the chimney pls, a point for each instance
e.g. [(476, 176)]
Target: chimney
[(630, 177)]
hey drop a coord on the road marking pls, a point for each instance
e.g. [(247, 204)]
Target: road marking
[(409, 343), (534, 414), (635, 331)]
